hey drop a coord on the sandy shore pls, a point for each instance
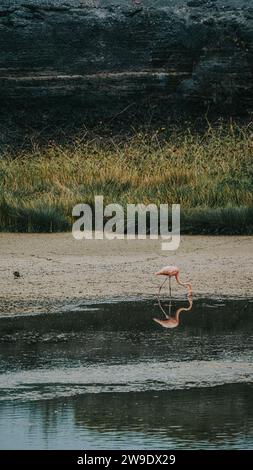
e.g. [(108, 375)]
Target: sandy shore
[(57, 270)]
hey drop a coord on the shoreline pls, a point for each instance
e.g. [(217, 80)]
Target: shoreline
[(75, 306), (57, 271)]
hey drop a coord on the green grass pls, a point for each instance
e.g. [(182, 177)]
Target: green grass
[(210, 173)]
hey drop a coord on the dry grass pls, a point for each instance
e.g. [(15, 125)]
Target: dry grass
[(210, 174)]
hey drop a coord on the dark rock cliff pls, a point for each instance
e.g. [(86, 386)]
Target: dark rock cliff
[(104, 58)]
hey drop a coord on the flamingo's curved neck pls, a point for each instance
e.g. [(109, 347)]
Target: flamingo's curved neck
[(187, 284)]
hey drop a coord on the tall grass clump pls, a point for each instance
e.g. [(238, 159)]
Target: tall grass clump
[(210, 173)]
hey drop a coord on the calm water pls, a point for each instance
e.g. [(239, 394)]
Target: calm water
[(106, 376)]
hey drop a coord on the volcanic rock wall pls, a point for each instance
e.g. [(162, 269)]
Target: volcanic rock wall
[(109, 58)]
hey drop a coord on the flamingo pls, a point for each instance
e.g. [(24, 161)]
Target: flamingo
[(173, 322), (169, 272)]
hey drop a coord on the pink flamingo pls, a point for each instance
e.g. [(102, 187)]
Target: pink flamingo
[(173, 322), (169, 272)]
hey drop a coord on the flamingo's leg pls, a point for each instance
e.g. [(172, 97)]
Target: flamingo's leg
[(170, 305), (158, 297), (160, 288), (170, 286)]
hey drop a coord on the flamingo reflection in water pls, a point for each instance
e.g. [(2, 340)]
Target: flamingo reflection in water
[(172, 321)]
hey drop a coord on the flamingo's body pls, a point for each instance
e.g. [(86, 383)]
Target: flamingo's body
[(173, 271), (170, 322)]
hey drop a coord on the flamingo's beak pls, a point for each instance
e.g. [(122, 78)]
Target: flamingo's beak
[(190, 290)]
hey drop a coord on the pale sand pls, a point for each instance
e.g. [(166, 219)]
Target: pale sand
[(57, 270)]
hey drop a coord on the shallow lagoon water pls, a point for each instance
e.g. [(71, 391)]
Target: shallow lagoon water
[(106, 376)]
